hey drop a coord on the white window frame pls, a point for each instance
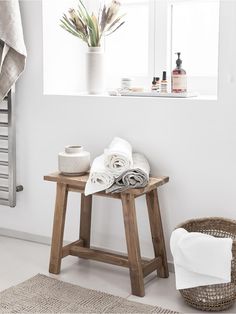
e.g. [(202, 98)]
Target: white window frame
[(161, 59), (151, 72), (160, 31), (161, 35), (200, 80)]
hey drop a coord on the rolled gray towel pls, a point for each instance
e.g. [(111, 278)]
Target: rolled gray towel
[(137, 177)]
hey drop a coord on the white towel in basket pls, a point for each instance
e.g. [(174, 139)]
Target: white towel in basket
[(12, 46), (200, 259)]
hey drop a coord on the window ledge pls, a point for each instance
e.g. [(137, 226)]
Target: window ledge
[(106, 95)]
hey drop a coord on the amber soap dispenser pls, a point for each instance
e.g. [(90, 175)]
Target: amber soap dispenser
[(179, 77)]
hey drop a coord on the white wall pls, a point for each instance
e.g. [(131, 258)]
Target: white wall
[(192, 141)]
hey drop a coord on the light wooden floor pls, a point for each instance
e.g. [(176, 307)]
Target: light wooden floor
[(21, 260)]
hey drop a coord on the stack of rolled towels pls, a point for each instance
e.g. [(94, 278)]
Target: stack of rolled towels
[(118, 169)]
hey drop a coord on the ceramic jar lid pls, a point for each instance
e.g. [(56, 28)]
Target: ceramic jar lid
[(74, 149)]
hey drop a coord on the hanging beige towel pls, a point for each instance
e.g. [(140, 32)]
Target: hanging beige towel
[(12, 46)]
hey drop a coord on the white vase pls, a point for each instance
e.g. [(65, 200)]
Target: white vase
[(95, 71), (74, 160)]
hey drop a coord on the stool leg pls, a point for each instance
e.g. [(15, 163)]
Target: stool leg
[(157, 231), (85, 219), (58, 228), (132, 240)]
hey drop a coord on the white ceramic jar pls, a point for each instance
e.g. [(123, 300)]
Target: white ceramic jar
[(74, 160), (125, 83)]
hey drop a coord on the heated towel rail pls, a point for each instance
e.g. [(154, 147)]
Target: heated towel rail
[(8, 187)]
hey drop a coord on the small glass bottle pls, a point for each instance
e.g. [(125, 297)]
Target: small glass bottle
[(154, 86), (158, 86), (178, 78), (164, 83)]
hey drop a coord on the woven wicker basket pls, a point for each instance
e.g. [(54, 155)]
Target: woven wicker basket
[(213, 297)]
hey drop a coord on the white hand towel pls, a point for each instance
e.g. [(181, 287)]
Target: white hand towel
[(118, 156), (137, 177), (200, 259), (12, 47), (99, 178)]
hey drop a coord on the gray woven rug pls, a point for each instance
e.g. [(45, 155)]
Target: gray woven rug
[(42, 294)]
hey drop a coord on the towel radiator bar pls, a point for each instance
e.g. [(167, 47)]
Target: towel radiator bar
[(8, 186)]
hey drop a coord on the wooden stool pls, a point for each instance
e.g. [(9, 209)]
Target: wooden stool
[(138, 267)]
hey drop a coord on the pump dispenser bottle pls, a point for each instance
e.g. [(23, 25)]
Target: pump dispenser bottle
[(178, 77)]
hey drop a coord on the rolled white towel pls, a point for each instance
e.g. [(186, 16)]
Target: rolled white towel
[(118, 156), (99, 178)]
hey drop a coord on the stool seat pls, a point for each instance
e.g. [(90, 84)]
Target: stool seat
[(138, 267), (79, 183)]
